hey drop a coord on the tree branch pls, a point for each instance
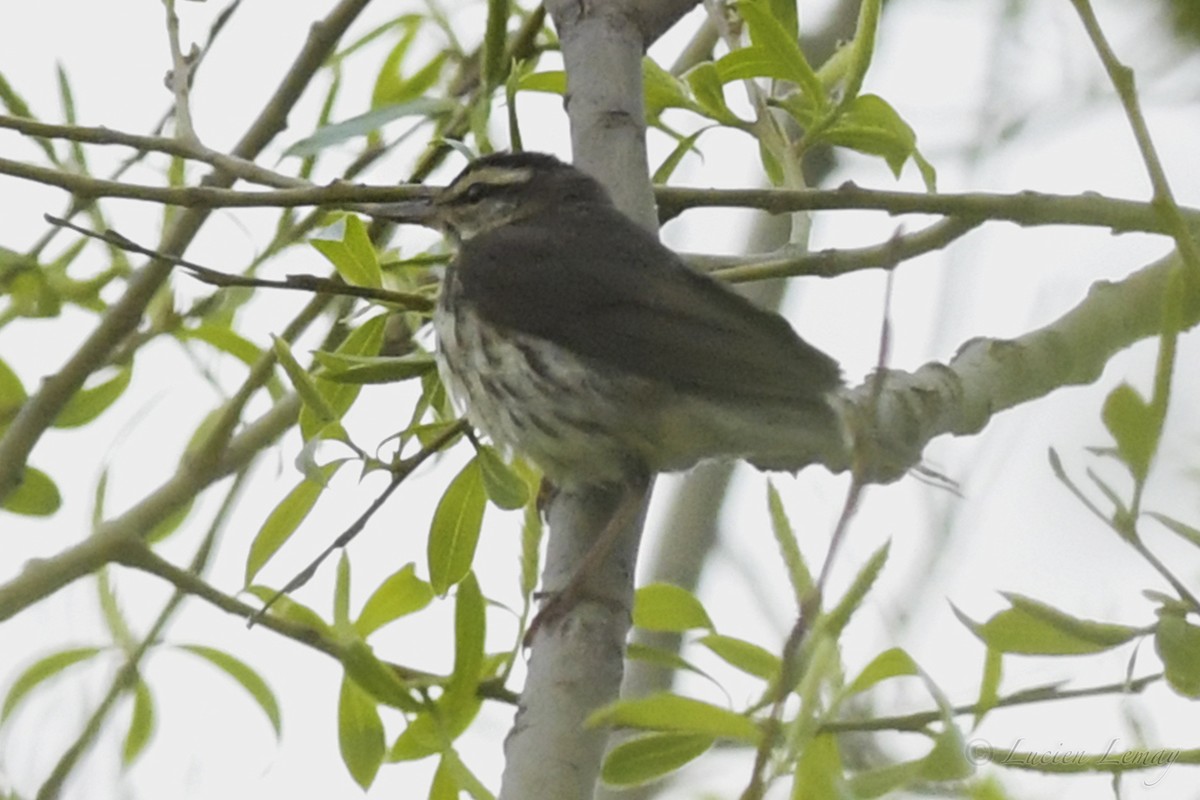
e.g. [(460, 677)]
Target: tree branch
[(122, 317), (987, 376)]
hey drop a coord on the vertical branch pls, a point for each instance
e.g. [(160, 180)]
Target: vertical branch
[(577, 666)]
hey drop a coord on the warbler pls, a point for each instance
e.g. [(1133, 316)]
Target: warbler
[(571, 335)]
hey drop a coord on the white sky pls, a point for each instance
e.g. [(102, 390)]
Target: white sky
[(958, 75)]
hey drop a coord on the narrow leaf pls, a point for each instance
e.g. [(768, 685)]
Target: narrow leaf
[(1132, 424), (789, 547), (455, 530), (503, 486), (400, 594), (1177, 643), (670, 712), (36, 496), (646, 758), (892, 663), (1033, 628), (141, 724), (40, 671), (360, 733), (666, 607), (87, 404), (246, 676), (369, 122), (746, 656), (284, 519)]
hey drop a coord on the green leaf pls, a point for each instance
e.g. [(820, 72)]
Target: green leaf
[(660, 657), (839, 616), (1133, 424), (288, 609), (819, 771), (662, 89), (751, 62), (170, 523), (12, 395), (504, 487), (368, 123), (141, 723), (746, 656), (364, 340), (375, 677), (1177, 643), (36, 496), (303, 383), (464, 778), (400, 594), (455, 530), (360, 733), (671, 162), (989, 687), (947, 761), (389, 83), (353, 256), (341, 594), (782, 48), (225, 339), (646, 758), (111, 612), (705, 81), (1033, 628), (444, 785), (283, 520), (423, 737), (1190, 534), (862, 47), (789, 19), (670, 712), (87, 404), (554, 82), (246, 676), (789, 547), (495, 43), (665, 607), (340, 368), (419, 82), (40, 671), (531, 534), (892, 663), (882, 780), (868, 124), (470, 628)]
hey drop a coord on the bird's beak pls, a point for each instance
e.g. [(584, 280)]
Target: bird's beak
[(421, 211)]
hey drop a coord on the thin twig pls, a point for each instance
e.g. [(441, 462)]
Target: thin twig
[(919, 720), (831, 263), (1023, 208), (305, 283), (127, 677), (1123, 81), (124, 315), (180, 77), (400, 473)]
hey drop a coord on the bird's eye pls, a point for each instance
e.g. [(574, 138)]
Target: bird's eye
[(475, 192)]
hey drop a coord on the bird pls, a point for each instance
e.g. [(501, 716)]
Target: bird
[(572, 336)]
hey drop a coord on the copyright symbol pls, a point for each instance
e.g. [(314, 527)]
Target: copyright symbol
[(978, 751)]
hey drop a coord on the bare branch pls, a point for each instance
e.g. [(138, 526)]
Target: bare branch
[(829, 263)]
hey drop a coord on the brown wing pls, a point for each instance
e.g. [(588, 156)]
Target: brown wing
[(594, 282)]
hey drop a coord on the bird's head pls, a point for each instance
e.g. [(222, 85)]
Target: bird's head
[(498, 190)]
